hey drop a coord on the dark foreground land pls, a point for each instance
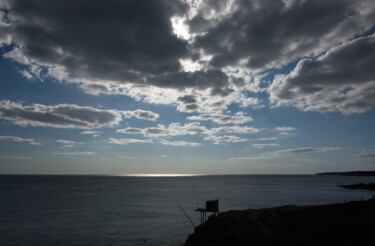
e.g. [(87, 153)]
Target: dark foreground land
[(360, 186), (351, 223), (352, 173)]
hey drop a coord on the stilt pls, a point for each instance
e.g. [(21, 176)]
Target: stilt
[(211, 206)]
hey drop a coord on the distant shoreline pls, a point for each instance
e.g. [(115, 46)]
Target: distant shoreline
[(351, 173)]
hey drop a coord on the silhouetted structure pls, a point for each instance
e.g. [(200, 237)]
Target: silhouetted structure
[(212, 206)]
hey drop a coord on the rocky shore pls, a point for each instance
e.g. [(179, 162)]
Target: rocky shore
[(350, 223)]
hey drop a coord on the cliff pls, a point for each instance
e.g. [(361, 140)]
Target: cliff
[(343, 224)]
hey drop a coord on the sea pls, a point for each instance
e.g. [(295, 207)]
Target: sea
[(145, 210)]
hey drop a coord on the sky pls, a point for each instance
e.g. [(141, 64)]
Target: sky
[(186, 86)]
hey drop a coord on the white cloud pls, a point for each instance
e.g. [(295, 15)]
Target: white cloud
[(194, 128), (236, 129), (225, 139), (35, 143), (265, 139), (92, 133), (68, 146), (261, 146), (343, 79), (174, 129), (285, 129), (18, 139), (15, 139), (125, 141), (222, 119), (15, 157), (179, 143), (62, 141), (58, 116), (74, 153), (141, 114), (67, 143), (286, 152)]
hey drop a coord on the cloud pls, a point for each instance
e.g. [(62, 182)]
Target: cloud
[(35, 143), (74, 153), (263, 34), (67, 143), (134, 45), (286, 130), (225, 139), (126, 141), (131, 130), (174, 129), (18, 139), (194, 128), (200, 56), (141, 114), (367, 154), (58, 116), (92, 133), (265, 139), (261, 146), (15, 139), (285, 152), (62, 141), (222, 119), (179, 143), (187, 99), (236, 129), (302, 150), (15, 157), (341, 80)]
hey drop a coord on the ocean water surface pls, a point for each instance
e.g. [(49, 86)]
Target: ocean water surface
[(116, 210)]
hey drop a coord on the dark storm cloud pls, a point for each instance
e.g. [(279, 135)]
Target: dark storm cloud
[(199, 79), (221, 92), (125, 41), (343, 80), (136, 42), (189, 103), (265, 33), (187, 99), (59, 116), (128, 41), (191, 107)]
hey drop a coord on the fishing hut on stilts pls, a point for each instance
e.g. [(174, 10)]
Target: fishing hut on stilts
[(212, 206)]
